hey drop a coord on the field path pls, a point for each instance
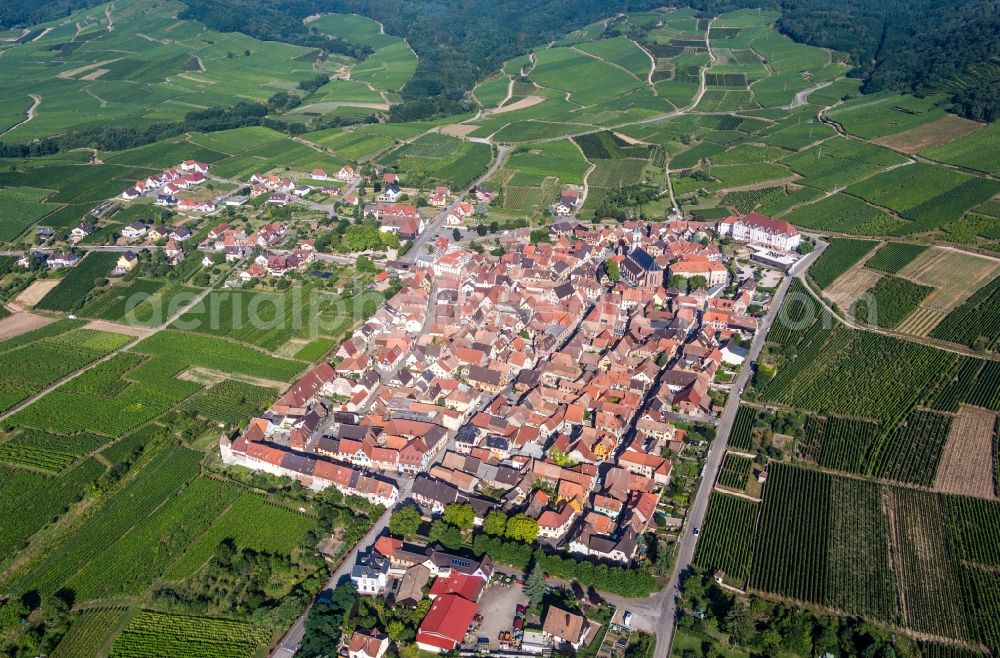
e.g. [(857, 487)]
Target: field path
[(652, 67), (152, 331), (44, 32), (107, 14), (802, 96), (29, 114)]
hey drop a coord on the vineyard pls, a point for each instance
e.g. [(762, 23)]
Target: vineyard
[(88, 632), (837, 258), (840, 444), (218, 354), (157, 634), (975, 382), (116, 516), (895, 555), (912, 451), (230, 401), (741, 436), (889, 302), (795, 316), (130, 565), (726, 538), (895, 256), (827, 374), (45, 451), (32, 368), (118, 301), (28, 501), (735, 472), (859, 578), (78, 283), (790, 550), (251, 522), (603, 145), (977, 322)]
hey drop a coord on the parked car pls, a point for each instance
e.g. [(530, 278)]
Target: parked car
[(627, 620)]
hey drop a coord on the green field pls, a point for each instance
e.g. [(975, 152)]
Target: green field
[(838, 257), (154, 633), (78, 282), (889, 301)]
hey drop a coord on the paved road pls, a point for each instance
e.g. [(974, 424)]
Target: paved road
[(667, 597)]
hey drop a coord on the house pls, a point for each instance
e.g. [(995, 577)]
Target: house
[(714, 272), (126, 262), (367, 644), (166, 200), (439, 197), (319, 174), (446, 623), (390, 193), (346, 173), (61, 259), (81, 231), (277, 199), (135, 230), (370, 574), (195, 166), (390, 178), (562, 627), (733, 354), (760, 229), (131, 193), (180, 234), (157, 233)]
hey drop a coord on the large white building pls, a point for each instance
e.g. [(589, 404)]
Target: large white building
[(758, 229)]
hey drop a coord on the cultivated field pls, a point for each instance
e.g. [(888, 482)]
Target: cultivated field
[(953, 274), (968, 464)]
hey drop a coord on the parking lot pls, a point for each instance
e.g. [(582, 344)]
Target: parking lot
[(497, 606)]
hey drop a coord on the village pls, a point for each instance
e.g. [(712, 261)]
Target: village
[(558, 385), (558, 391)]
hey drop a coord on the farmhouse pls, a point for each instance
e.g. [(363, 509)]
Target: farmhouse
[(346, 173)]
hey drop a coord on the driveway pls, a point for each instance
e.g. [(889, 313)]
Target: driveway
[(497, 607)]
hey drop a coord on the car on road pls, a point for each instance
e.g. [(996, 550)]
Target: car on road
[(627, 620), (697, 531)]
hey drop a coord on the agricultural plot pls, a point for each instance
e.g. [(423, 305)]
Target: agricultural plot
[(727, 535), (77, 284), (795, 316), (437, 157), (929, 135), (838, 162), (972, 381), (157, 481), (560, 159), (158, 634), (840, 444), (45, 451), (89, 631), (741, 435), (117, 302), (894, 256), (975, 151), (976, 323), (389, 67), (33, 367), (29, 500), (230, 401), (828, 376), (955, 275), (251, 522), (112, 399), (790, 550), (927, 577), (929, 195), (890, 301), (129, 566), (269, 320), (838, 258), (491, 92), (23, 207), (911, 452), (184, 349), (884, 114), (843, 214), (735, 472), (621, 51), (859, 577)]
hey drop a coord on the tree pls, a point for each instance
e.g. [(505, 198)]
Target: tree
[(740, 625), (612, 270), (447, 535), (697, 282), (495, 523), (679, 282), (404, 521), (522, 527), (365, 264), (460, 515), (535, 586)]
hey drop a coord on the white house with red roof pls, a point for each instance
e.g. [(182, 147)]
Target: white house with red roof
[(760, 229), (346, 173)]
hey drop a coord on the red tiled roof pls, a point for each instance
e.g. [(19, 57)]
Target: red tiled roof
[(446, 622)]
